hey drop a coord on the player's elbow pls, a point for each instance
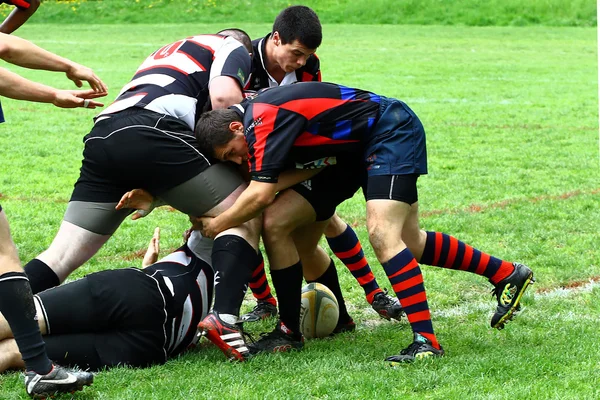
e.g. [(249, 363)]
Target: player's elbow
[(264, 199), (224, 101)]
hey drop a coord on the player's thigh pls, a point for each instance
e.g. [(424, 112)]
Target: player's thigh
[(97, 350), (105, 300), (289, 211), (96, 217), (208, 193)]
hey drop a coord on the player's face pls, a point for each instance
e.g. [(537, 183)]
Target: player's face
[(235, 151), (291, 56)]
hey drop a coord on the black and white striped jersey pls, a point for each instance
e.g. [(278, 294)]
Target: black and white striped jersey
[(190, 283), (174, 80)]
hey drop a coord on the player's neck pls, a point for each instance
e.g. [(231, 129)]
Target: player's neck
[(272, 67)]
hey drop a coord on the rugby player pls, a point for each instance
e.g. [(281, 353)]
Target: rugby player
[(292, 127)]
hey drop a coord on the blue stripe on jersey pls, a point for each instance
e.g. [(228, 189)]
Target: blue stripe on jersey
[(343, 129), (375, 98), (370, 123), (313, 128), (347, 93), (1, 114)]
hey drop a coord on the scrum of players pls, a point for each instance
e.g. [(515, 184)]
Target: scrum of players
[(243, 137)]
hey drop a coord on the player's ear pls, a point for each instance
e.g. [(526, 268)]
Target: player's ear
[(275, 37), (235, 126)]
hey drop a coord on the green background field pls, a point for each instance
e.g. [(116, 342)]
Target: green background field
[(423, 12), (511, 115)]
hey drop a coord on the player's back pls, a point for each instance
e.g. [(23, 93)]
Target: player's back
[(174, 80), (190, 284)]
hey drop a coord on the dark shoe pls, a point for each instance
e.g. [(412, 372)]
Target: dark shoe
[(229, 338), (348, 326), (281, 339), (58, 380), (508, 292), (387, 307), (421, 347), (262, 310)]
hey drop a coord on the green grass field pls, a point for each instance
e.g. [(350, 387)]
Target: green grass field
[(511, 115)]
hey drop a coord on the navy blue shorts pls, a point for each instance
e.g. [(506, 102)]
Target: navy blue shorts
[(397, 143)]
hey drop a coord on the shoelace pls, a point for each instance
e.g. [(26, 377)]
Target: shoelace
[(412, 349)]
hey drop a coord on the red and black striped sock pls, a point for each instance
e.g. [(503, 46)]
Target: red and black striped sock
[(259, 284), (348, 249), (446, 251), (407, 281)]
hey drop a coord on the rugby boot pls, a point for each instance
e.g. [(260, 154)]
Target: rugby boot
[(508, 293)]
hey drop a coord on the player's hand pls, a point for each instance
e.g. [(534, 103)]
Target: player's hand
[(77, 98), (78, 73), (204, 225), (151, 255), (138, 199)]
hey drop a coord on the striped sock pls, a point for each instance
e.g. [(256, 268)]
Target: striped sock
[(259, 284), (407, 281), (446, 251), (348, 249)]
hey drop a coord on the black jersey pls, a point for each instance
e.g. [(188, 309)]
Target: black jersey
[(190, 283), (174, 80), (260, 78), (305, 125)]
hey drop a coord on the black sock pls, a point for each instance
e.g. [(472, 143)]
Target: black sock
[(288, 286), (16, 304), (41, 276), (233, 261), (331, 280)]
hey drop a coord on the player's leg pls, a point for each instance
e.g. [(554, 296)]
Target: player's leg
[(235, 254), (42, 377), (510, 279), (99, 321), (344, 243), (319, 267), (17, 306)]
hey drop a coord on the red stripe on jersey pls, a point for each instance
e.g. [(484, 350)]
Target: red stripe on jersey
[(202, 67), (309, 108), (267, 114), (161, 66), (306, 77), (309, 139), (20, 3)]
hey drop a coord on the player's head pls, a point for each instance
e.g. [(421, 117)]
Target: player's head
[(220, 134), (296, 35), (238, 35)]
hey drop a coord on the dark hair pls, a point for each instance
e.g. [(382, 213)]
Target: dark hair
[(212, 129), (238, 35), (299, 23)]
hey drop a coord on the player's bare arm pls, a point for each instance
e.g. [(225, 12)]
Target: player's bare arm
[(224, 91), (26, 54), (18, 17)]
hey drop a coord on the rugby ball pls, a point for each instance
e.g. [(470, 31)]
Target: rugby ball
[(319, 311)]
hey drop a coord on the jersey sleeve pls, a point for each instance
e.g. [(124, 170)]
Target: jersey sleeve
[(232, 60), (270, 134), (20, 4), (311, 72)]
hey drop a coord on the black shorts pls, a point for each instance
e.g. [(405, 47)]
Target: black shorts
[(136, 148), (332, 186), (109, 318)]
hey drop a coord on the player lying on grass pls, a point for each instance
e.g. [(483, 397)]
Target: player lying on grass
[(290, 127), (135, 317), (285, 56)]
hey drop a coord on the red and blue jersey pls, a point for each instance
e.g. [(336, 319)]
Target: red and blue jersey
[(175, 79), (305, 125)]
